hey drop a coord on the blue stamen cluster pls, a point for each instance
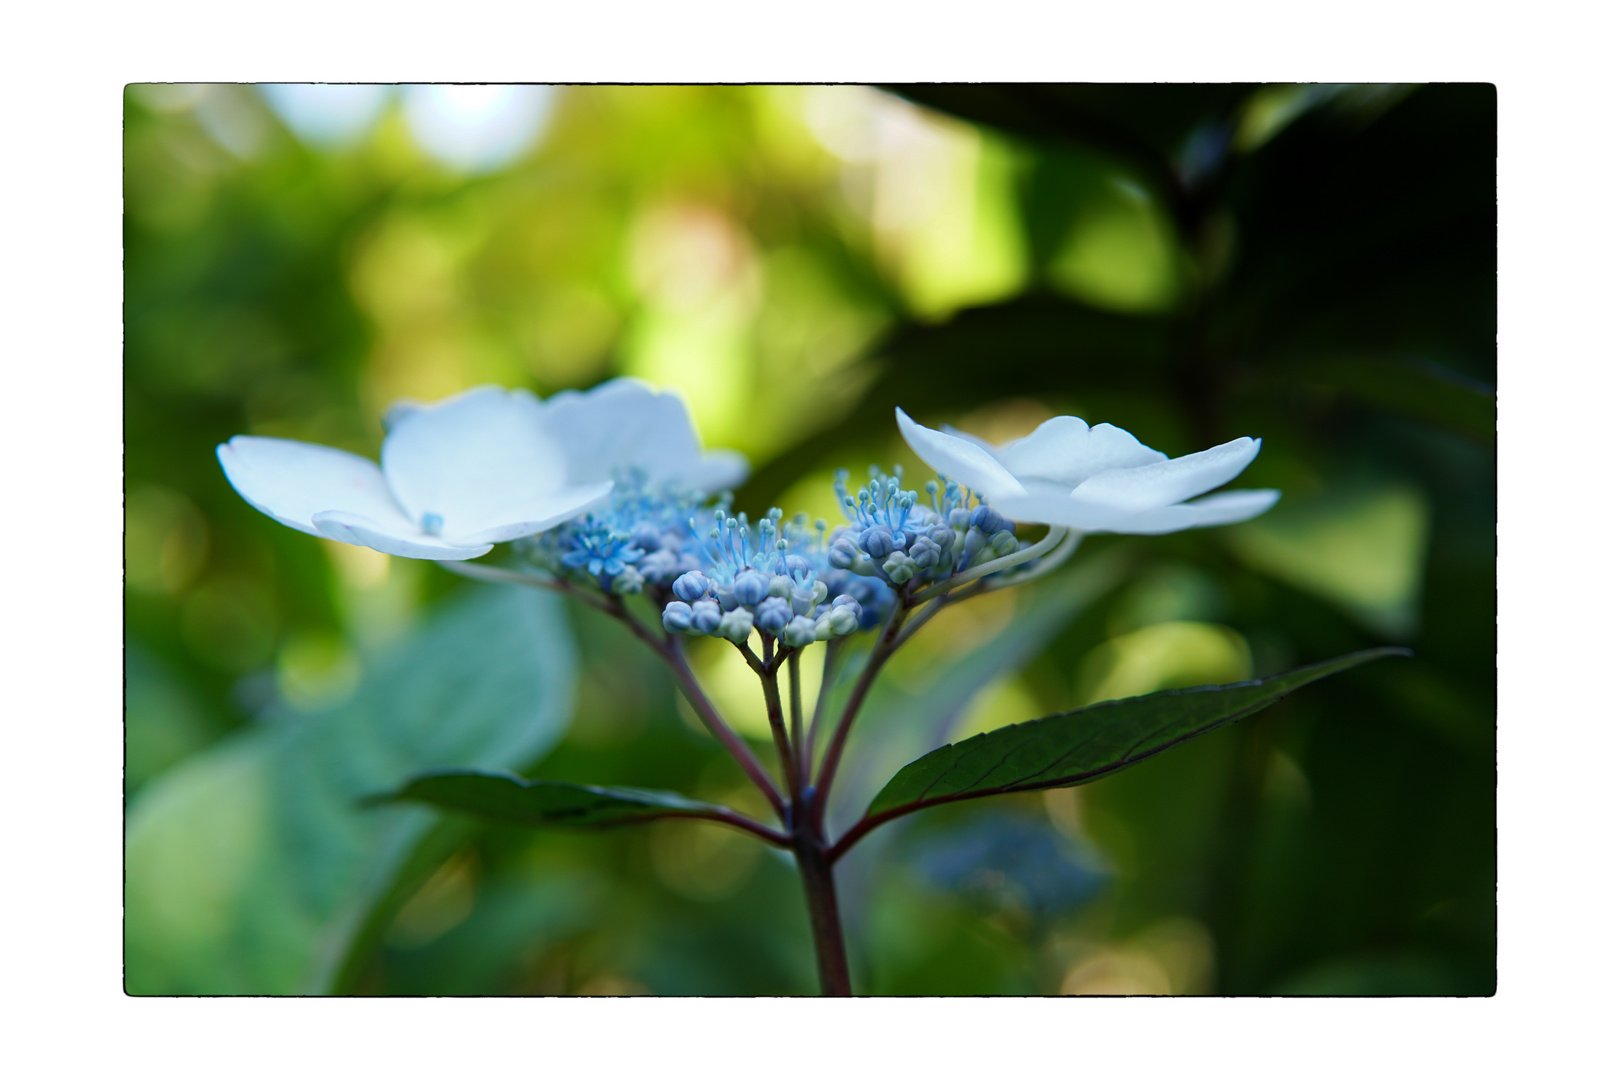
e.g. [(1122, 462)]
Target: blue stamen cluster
[(641, 538), (791, 580), (895, 538), (769, 577)]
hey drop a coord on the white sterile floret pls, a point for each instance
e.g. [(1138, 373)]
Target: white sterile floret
[(625, 424), (1095, 479), (457, 477)]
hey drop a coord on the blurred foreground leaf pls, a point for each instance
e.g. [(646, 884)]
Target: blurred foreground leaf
[(505, 797), (1076, 747), (250, 869)]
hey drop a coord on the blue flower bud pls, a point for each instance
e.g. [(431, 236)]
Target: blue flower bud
[(691, 586), (924, 552), (800, 632), (806, 598), (974, 543), (958, 518), (899, 567), (705, 616), (988, 520), (846, 600), (797, 564), (751, 587), (677, 616), (843, 619), (773, 614), (944, 536), (736, 625), (782, 586), (843, 554), (877, 542), (1003, 543)]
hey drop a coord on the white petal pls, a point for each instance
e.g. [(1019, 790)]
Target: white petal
[(1221, 509), (399, 410), (1164, 483), (986, 444), (625, 424), (293, 481), (716, 471), (1224, 508), (554, 509), (474, 461), (958, 459), (1066, 451), (398, 537)]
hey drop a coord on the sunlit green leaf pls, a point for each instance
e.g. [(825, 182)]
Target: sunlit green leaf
[(250, 867), (1076, 747)]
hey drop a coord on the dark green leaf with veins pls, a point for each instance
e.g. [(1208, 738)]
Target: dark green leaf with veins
[(505, 797), (1076, 747)]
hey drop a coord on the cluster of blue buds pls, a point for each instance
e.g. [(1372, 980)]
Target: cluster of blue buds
[(640, 538), (893, 537), (793, 580), (769, 577)]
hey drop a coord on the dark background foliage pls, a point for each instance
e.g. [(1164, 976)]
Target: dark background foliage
[(1311, 265)]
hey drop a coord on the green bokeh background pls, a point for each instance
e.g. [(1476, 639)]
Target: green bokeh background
[(1311, 265)]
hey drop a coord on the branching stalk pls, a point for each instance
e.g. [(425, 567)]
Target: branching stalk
[(1042, 568), (835, 747), (773, 711), (670, 649), (823, 695), (801, 753)]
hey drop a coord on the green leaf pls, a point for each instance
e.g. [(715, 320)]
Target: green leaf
[(505, 797), (1076, 747), (250, 868)]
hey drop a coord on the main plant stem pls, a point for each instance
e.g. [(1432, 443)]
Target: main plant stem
[(816, 871)]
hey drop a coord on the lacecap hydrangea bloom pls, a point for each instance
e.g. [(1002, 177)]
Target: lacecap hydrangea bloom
[(477, 469), (800, 583), (1094, 479)]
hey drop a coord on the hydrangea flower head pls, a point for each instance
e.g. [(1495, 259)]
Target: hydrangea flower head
[(1094, 479)]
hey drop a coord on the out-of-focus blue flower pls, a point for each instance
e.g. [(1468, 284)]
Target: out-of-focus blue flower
[(640, 537)]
